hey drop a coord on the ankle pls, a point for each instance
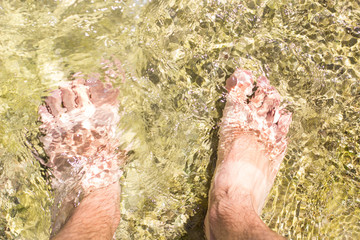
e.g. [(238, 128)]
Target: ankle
[(97, 216), (225, 222), (237, 181), (228, 220)]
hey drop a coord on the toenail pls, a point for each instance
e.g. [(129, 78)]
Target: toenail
[(231, 82)]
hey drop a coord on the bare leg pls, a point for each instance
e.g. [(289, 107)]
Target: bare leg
[(251, 148), (79, 123), (97, 216)]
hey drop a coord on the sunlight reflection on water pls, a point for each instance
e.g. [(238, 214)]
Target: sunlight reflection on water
[(176, 55)]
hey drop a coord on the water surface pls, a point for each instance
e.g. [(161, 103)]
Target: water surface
[(176, 56)]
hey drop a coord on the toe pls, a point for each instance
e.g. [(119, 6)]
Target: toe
[(270, 103), (262, 84), (283, 123), (53, 102), (257, 100), (68, 98), (96, 89), (270, 116), (102, 94), (82, 95), (231, 82), (266, 99), (45, 116), (240, 84), (111, 95)]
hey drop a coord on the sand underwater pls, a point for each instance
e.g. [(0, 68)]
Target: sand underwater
[(176, 56)]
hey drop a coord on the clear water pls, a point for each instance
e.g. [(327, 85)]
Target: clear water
[(176, 56)]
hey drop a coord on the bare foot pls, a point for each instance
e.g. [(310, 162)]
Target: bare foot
[(251, 148), (79, 125)]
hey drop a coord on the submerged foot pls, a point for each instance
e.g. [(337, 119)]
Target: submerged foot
[(80, 138), (251, 148)]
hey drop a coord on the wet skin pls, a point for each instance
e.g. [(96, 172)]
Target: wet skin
[(251, 148), (79, 123)]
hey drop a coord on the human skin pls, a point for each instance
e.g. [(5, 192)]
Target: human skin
[(80, 138), (236, 193), (96, 217), (252, 146)]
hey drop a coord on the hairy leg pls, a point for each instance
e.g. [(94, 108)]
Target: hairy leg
[(251, 148), (96, 217)]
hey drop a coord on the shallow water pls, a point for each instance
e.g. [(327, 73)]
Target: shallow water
[(176, 56)]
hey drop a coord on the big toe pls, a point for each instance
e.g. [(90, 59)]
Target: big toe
[(53, 103), (240, 85)]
